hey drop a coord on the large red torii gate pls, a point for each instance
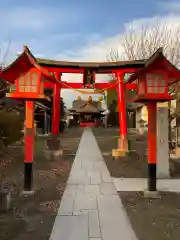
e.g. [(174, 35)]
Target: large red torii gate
[(48, 74), (31, 76), (119, 69), (55, 69)]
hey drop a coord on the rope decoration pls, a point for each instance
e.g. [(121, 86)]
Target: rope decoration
[(96, 91)]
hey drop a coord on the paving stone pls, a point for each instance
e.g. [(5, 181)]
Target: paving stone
[(78, 172), (70, 190), (140, 184), (66, 205), (80, 189), (113, 219), (110, 201), (95, 238), (92, 189), (79, 177), (70, 228), (93, 221), (95, 177), (87, 165), (107, 188), (106, 177), (100, 166), (77, 164), (94, 227), (91, 201), (67, 201), (81, 212), (85, 202)]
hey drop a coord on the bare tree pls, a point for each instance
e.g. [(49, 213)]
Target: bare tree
[(140, 42)]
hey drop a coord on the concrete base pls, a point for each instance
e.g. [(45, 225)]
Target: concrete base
[(163, 176), (5, 201), (53, 155), (119, 153), (177, 152), (27, 193), (53, 143), (152, 194)]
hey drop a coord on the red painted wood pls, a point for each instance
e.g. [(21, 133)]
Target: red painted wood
[(26, 95), (29, 149), (121, 105), (48, 85), (56, 106), (29, 133), (152, 112)]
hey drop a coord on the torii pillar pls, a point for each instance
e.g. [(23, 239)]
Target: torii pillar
[(56, 106), (53, 143), (123, 139)]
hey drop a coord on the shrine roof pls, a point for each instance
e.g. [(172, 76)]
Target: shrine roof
[(22, 64), (94, 65), (82, 106), (160, 63)]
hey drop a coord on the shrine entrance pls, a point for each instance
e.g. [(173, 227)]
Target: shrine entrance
[(90, 71), (86, 112), (32, 75)]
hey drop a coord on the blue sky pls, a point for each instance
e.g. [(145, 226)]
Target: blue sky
[(61, 28), (74, 29)]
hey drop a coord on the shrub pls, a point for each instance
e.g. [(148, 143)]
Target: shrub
[(11, 125)]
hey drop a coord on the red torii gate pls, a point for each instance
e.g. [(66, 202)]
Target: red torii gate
[(119, 69), (48, 75), (54, 69), (47, 70)]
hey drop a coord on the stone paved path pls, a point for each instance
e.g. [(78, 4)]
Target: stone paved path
[(90, 208), (140, 184)]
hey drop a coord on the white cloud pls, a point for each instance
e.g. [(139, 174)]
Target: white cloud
[(100, 50), (97, 51)]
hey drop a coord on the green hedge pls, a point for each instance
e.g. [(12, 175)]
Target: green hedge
[(11, 126)]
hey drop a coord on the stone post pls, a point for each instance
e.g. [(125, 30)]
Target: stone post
[(163, 167)]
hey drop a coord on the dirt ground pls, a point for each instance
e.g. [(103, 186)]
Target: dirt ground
[(155, 219), (32, 217), (132, 166)]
